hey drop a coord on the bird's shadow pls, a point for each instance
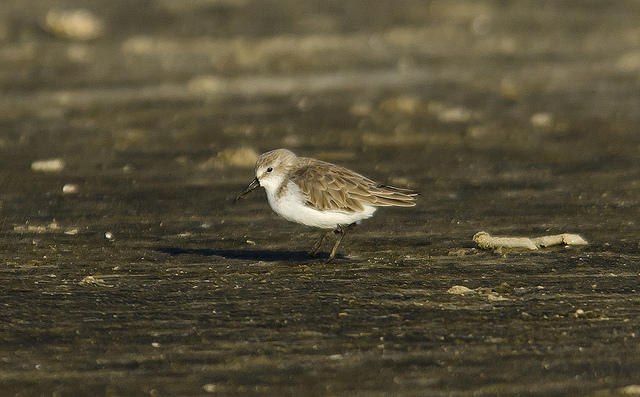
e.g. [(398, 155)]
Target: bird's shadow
[(256, 255)]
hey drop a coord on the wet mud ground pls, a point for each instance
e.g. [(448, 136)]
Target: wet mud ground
[(143, 278)]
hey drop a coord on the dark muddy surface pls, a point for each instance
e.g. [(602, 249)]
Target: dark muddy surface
[(142, 277)]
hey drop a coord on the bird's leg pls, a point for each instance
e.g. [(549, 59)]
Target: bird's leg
[(341, 231), (316, 247)]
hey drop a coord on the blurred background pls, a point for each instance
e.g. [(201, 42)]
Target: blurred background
[(127, 127)]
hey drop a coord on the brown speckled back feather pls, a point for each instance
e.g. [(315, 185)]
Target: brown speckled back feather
[(331, 187)]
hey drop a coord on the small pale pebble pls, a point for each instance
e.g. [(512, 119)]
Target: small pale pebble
[(460, 290), (70, 188), (75, 24), (243, 157), (485, 241), (49, 165), (71, 232), (542, 120), (108, 236), (210, 388), (91, 280), (496, 298), (251, 242), (631, 390), (454, 115)]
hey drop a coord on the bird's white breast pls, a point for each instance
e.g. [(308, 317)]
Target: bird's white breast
[(291, 206)]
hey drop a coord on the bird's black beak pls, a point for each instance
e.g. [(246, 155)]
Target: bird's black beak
[(254, 184)]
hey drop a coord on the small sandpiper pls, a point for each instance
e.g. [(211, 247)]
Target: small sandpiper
[(320, 194)]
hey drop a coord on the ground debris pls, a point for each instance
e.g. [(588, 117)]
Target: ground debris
[(565, 238), (70, 188), (485, 241), (492, 294), (243, 157), (630, 390), (53, 226), (460, 290), (542, 120), (49, 165), (92, 280), (76, 24)]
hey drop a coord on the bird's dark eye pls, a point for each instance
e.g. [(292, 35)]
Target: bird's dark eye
[(269, 169)]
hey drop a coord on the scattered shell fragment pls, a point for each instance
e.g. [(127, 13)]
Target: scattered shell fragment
[(493, 297), (198, 84), (542, 120), (91, 280), (49, 165), (449, 114), (630, 390), (401, 104), (53, 226), (565, 238), (243, 157), (460, 290), (360, 109), (478, 131), (629, 62), (454, 115), (70, 188), (485, 241), (491, 294), (71, 232), (75, 24), (108, 235)]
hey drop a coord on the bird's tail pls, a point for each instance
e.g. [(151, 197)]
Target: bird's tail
[(387, 196)]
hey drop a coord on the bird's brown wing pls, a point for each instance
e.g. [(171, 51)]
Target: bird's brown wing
[(330, 187)]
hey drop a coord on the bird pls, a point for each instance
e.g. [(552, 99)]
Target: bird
[(321, 194)]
